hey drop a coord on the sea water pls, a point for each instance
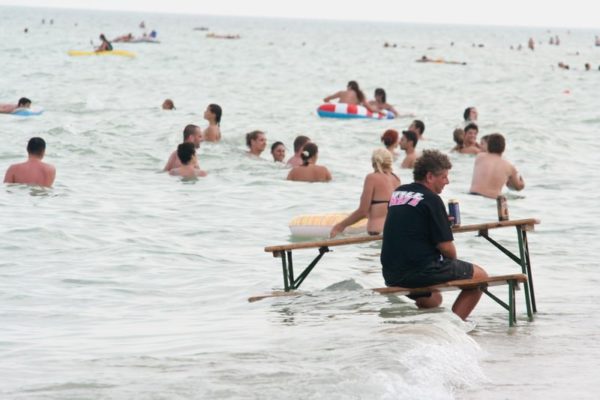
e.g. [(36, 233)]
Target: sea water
[(122, 282)]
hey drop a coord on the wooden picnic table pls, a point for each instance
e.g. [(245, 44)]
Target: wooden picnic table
[(522, 226)]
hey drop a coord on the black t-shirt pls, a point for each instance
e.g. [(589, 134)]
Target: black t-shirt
[(416, 222)]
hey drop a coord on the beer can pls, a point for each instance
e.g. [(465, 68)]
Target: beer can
[(502, 206), (454, 212)]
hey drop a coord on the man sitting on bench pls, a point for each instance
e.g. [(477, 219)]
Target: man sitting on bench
[(418, 248)]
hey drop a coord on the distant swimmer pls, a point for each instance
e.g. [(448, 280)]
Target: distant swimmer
[(380, 102), (212, 114), (352, 95), (33, 171), (296, 159), (425, 59), (562, 65), (531, 44), (191, 134), (470, 145), (124, 38), (142, 25), (168, 104), (597, 41), (470, 115), (105, 45), (186, 152), (278, 152), (390, 141), (23, 102), (491, 172), (309, 171), (483, 143), (418, 127), (256, 142), (408, 143), (459, 138), (377, 189), (227, 36)]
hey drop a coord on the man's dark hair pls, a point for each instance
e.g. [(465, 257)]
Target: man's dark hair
[(471, 126), (185, 152), (420, 126), (411, 137), (496, 143), (430, 161), (188, 131), (23, 101), (299, 142), (36, 146)]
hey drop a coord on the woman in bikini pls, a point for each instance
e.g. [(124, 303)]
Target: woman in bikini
[(377, 190)]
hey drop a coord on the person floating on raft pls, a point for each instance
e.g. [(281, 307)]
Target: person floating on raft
[(426, 59), (352, 95)]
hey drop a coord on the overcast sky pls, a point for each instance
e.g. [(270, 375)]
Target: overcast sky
[(570, 13)]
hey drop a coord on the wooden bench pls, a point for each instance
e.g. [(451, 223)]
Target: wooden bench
[(512, 281), (292, 282)]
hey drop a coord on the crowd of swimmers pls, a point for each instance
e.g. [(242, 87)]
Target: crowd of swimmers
[(491, 171)]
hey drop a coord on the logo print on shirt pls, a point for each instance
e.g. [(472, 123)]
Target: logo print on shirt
[(401, 198)]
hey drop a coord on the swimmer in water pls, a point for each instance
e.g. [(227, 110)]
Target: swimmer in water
[(168, 105), (278, 152), (380, 102), (352, 95), (491, 172), (390, 141), (408, 143), (33, 171), (470, 145), (309, 171), (23, 102), (186, 152), (256, 142), (296, 159), (212, 114)]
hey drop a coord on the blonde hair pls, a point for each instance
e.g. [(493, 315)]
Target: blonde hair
[(382, 160)]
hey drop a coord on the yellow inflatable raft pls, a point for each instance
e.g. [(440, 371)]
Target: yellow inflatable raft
[(319, 225), (123, 53)]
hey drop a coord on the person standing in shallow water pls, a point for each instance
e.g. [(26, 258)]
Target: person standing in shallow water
[(377, 189), (408, 143), (491, 172), (212, 114), (418, 246), (309, 171), (33, 171)]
